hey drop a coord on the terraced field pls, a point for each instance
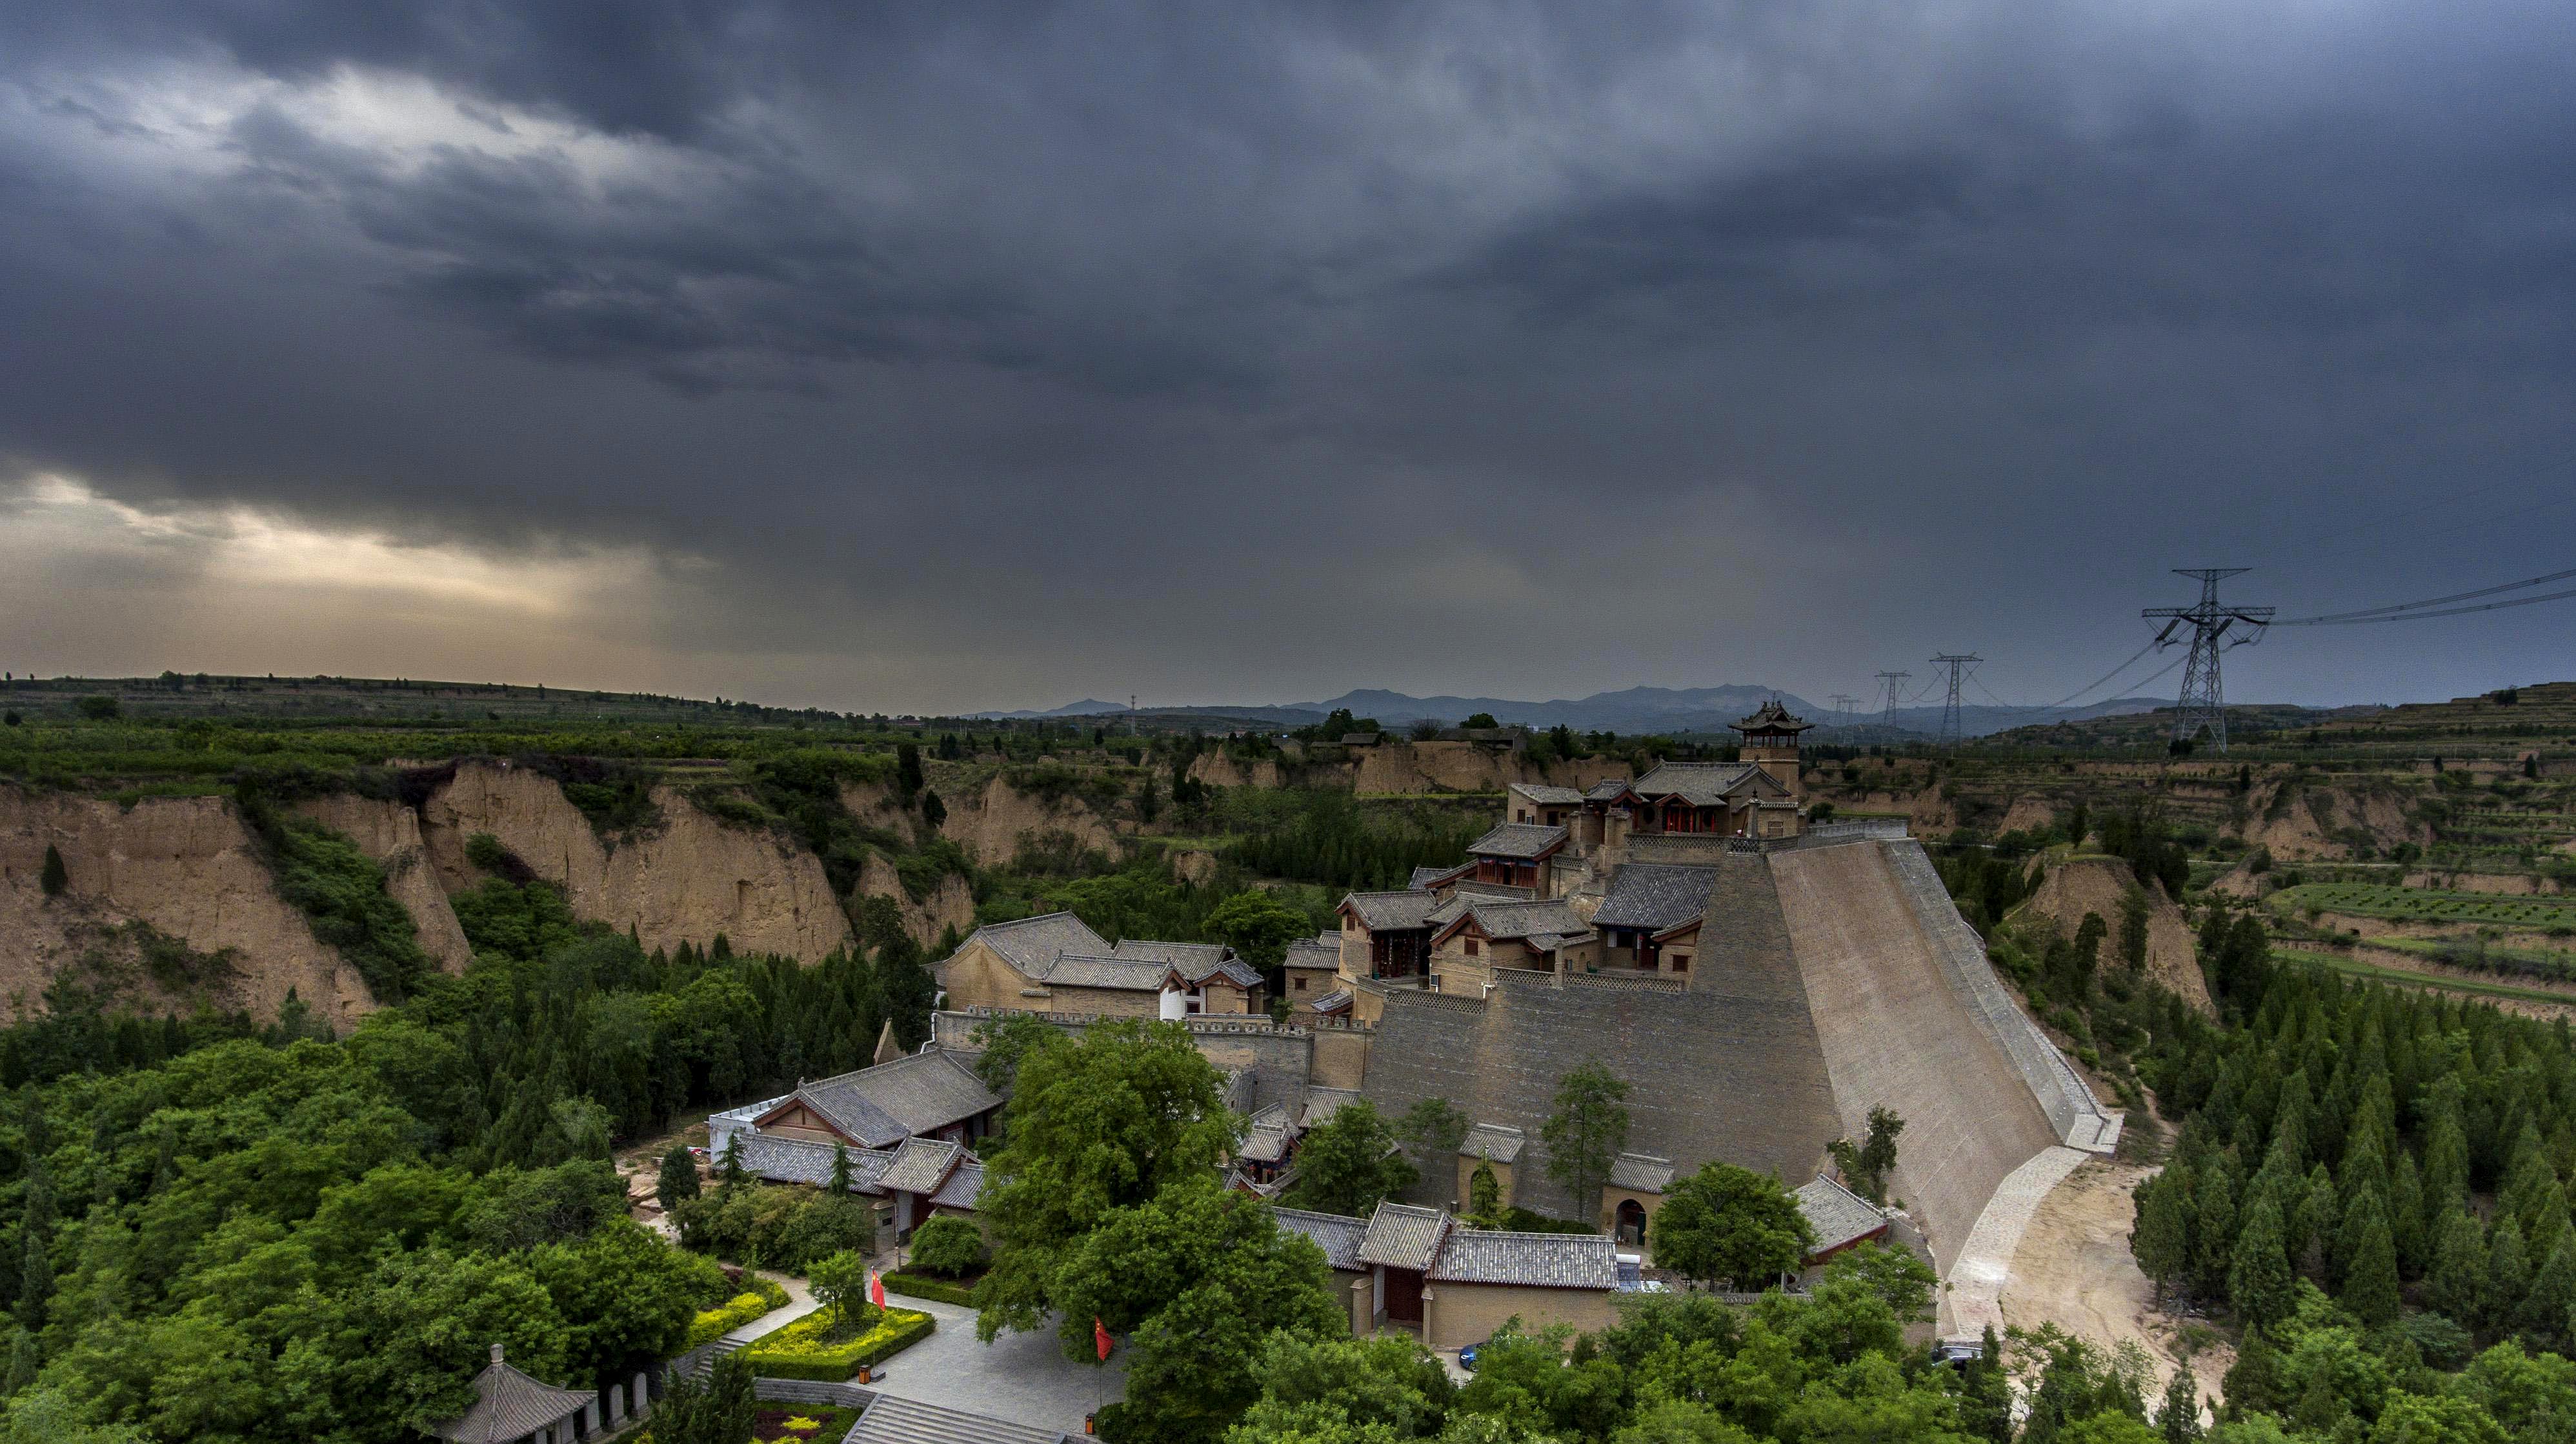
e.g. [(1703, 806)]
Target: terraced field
[(2477, 987), (2373, 900)]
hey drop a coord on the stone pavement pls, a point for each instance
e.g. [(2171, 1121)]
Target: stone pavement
[(1024, 1378), (800, 1302)]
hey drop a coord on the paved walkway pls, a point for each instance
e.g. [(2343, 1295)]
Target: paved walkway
[(1024, 1378), (800, 1302)]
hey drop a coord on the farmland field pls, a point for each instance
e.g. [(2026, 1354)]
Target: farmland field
[(2352, 968), (2374, 900)]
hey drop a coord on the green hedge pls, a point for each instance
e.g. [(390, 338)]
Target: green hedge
[(799, 1351), (922, 1286), (758, 1297)]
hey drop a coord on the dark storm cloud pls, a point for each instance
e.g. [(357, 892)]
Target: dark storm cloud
[(950, 356)]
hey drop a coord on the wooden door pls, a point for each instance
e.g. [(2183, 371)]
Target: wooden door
[(1403, 1296)]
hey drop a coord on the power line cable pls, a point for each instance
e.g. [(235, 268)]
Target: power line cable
[(2452, 611), (2452, 499), (2385, 614)]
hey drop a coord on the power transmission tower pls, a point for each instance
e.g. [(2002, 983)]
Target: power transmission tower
[(1887, 710), (1842, 708), (2203, 702), (1958, 663)]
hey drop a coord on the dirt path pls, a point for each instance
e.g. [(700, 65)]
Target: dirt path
[(2074, 1270)]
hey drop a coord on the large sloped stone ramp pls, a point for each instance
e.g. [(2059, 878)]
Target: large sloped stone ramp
[(1896, 1030)]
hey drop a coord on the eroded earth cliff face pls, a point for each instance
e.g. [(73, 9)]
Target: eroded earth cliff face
[(186, 867), (686, 878), (991, 823), (2096, 885), (951, 904), (390, 833)]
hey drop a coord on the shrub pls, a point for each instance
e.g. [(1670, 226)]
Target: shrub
[(713, 1324), (100, 709), (920, 1286), (948, 1246), (806, 1349), (771, 1227), (55, 878)]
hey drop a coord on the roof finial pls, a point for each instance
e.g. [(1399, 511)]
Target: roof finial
[(496, 1353)]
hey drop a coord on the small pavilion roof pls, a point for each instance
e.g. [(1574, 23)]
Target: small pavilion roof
[(1520, 841), (509, 1405)]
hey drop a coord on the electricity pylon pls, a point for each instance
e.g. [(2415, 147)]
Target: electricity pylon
[(1842, 708), (1958, 663), (1887, 710), (2203, 702)]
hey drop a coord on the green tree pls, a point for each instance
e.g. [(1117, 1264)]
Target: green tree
[(1198, 1278), (2161, 1242), (1257, 925), (1585, 1133), (1098, 1125), (1726, 1222), (1484, 1196), (678, 1179), (55, 877), (2133, 927), (907, 770), (838, 1186), (1005, 1041), (2370, 1267), (2259, 1282), (949, 1246), (1433, 1128), (934, 813), (721, 1409), (1315, 1389), (840, 1282), (2508, 1276), (2178, 1417), (729, 1169), (2457, 1282), (1348, 1163), (1866, 1166), (2549, 1307), (625, 1296), (1480, 720), (100, 709)]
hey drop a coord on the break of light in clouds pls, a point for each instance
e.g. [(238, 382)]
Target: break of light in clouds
[(898, 358)]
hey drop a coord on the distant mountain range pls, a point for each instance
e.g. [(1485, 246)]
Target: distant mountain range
[(1634, 710)]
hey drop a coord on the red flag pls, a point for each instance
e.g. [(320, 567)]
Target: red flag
[(876, 1289), (1100, 1338)]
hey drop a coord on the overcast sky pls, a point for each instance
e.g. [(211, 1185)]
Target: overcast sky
[(896, 357)]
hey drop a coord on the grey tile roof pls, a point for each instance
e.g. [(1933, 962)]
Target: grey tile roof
[(794, 1160), (1333, 1002), (1494, 1143), (1338, 1236), (1532, 919), (1197, 961), (1518, 840), (1428, 877), (882, 1106), (1315, 953), (1403, 1236), (892, 1420), (1133, 975), (1701, 784), (1529, 1260), (920, 1166), (1546, 795), (1655, 896), (1323, 1103), (1837, 1214), (1266, 1137), (1033, 944), (1772, 717), (1381, 910), (1607, 790), (508, 1405), (964, 1188), (1643, 1172)]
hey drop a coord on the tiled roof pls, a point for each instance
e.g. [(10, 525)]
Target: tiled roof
[(1542, 793), (1655, 896), (1333, 1002), (1338, 1236), (1196, 961), (1380, 910), (1643, 1172), (920, 1166), (880, 1107), (1430, 877), (1323, 1103), (1266, 1137), (1529, 1260), (964, 1188), (1701, 784), (1033, 944), (892, 1420), (1772, 717), (509, 1405), (1315, 953), (1131, 975), (1608, 790), (1518, 840), (794, 1160), (1403, 1236), (1493, 1142), (1837, 1214), (1533, 919)]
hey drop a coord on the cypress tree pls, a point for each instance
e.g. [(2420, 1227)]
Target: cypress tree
[(2446, 1151), (2370, 1267), (2508, 1276), (54, 878), (2259, 1282), (2213, 1233), (2406, 1218), (2319, 1220), (2178, 1418), (678, 1181), (36, 1261), (2162, 1240), (2545, 1315)]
